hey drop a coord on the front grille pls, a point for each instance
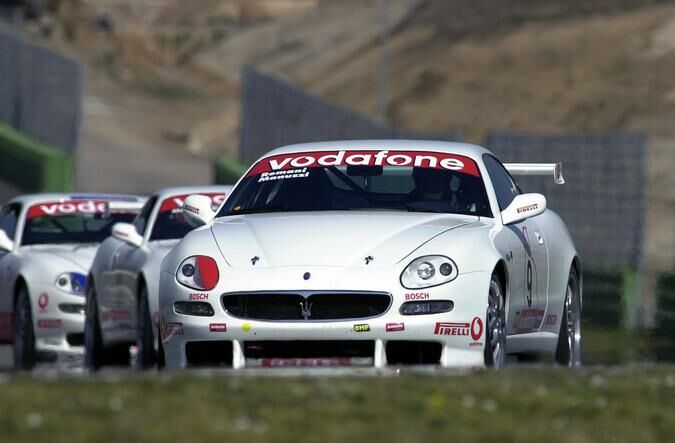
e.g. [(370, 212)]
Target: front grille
[(302, 306)]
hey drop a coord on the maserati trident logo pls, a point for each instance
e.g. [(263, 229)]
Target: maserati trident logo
[(306, 309), (254, 260), (369, 259)]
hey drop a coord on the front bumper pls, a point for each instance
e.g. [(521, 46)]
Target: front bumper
[(459, 333), (59, 335)]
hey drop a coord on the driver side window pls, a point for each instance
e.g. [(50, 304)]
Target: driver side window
[(8, 218), (505, 188), (141, 221)]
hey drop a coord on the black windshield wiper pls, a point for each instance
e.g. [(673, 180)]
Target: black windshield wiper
[(262, 209)]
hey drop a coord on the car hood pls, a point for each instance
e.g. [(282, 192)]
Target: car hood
[(336, 238), (80, 255)]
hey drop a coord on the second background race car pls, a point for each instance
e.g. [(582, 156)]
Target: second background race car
[(122, 307)]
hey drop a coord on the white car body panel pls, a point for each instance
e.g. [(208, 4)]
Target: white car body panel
[(38, 266), (118, 267), (274, 251)]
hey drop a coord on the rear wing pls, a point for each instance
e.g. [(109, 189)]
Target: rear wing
[(124, 207), (554, 169)]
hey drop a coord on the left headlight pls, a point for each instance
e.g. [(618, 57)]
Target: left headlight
[(428, 271), (72, 282), (198, 272)]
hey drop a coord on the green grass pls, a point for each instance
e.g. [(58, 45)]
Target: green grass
[(521, 404)]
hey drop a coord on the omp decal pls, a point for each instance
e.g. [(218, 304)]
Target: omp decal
[(527, 208), (218, 327), (198, 297), (279, 175), (362, 328), (66, 208), (395, 327), (425, 159), (175, 202), (49, 323), (417, 296), (43, 301)]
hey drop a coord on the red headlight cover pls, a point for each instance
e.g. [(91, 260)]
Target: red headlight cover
[(206, 274)]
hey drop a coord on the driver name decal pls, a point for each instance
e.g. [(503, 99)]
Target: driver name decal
[(424, 159)]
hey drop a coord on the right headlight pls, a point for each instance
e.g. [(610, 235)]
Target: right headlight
[(428, 271)]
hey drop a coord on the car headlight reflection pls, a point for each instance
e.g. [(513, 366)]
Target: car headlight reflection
[(428, 271), (72, 282)]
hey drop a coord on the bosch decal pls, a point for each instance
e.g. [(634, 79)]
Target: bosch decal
[(198, 297), (362, 328), (424, 159), (217, 327), (417, 296), (395, 327)]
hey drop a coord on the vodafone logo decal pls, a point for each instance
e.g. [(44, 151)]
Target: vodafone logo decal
[(66, 208), (476, 328), (425, 159), (176, 202)]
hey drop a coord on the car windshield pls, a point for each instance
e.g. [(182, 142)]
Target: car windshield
[(71, 222), (415, 181), (170, 223)]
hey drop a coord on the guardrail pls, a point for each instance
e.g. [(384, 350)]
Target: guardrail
[(34, 166)]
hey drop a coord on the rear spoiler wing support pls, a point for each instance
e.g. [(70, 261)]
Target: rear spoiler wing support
[(554, 169)]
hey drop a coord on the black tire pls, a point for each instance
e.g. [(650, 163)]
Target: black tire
[(568, 351), (25, 355), (160, 350), (93, 343), (146, 357), (495, 325)]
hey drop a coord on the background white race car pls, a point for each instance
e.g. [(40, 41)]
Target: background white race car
[(375, 253), (122, 296), (47, 243)]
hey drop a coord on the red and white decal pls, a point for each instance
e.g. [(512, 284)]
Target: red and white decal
[(57, 208), (417, 296), (425, 159), (169, 329), (551, 319), (473, 329), (176, 202), (198, 297), (395, 327), (218, 327), (49, 323), (43, 301), (116, 315)]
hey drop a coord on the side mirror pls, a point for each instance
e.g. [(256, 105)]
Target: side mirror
[(127, 233), (522, 207), (5, 242), (197, 210)]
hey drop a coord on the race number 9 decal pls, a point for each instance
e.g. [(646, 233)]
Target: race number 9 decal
[(529, 282)]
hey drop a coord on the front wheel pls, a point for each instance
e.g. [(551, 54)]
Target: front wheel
[(93, 344), (495, 325), (146, 356), (24, 334), (568, 352)]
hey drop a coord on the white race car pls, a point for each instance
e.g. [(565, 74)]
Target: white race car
[(122, 294), (373, 253), (47, 243)]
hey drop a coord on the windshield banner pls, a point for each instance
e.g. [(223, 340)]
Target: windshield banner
[(79, 207), (176, 202), (424, 159)]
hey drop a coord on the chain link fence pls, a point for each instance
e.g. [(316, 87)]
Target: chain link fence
[(40, 92), (276, 113)]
